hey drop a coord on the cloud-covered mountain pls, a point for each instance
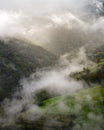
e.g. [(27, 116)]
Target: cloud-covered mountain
[(19, 59)]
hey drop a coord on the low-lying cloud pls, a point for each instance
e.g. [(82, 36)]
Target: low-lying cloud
[(60, 27), (56, 81)]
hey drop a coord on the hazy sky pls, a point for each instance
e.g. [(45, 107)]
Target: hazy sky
[(41, 5)]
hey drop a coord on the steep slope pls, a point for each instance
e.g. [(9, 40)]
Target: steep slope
[(81, 111), (19, 59), (92, 75)]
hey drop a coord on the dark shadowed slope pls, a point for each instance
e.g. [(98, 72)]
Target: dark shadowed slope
[(19, 59)]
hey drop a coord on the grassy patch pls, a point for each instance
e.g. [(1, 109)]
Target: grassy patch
[(85, 101)]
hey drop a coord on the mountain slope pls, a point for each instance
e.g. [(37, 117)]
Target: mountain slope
[(19, 59), (81, 111), (92, 75)]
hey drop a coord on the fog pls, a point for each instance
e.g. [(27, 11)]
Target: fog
[(56, 81), (41, 6), (63, 27), (58, 26)]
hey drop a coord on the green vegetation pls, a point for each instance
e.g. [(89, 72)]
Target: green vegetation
[(93, 75), (84, 107), (79, 111), (94, 95)]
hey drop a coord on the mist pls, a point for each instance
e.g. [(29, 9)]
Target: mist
[(41, 6), (56, 81), (58, 26), (66, 29)]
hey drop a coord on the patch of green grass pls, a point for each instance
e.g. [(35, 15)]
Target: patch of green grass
[(86, 106), (84, 101)]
